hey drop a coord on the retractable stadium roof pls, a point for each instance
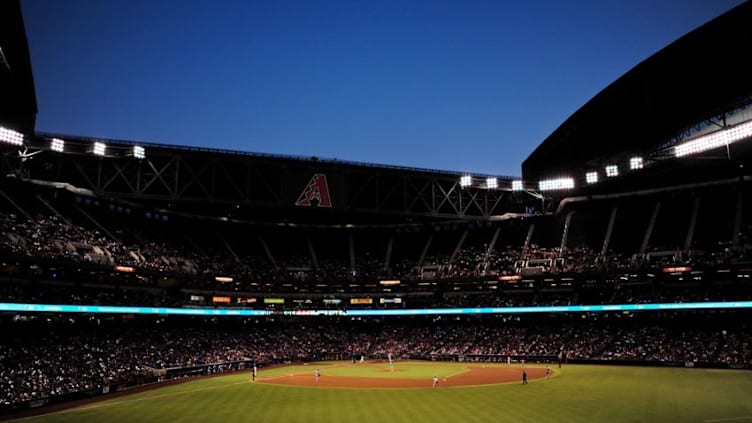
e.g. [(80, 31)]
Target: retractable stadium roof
[(698, 77), (18, 104)]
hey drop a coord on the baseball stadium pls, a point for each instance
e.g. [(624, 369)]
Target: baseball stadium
[(610, 282)]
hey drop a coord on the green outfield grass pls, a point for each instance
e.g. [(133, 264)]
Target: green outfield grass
[(574, 394)]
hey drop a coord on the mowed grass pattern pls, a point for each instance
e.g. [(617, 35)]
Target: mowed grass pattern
[(574, 394)]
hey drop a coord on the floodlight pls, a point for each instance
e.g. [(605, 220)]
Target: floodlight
[(10, 136), (635, 163), (139, 152), (714, 140), (99, 148), (492, 183), (591, 177), (612, 171), (556, 184), (517, 186), (56, 144), (466, 181)]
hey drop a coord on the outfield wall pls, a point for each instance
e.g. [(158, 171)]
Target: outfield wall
[(516, 359)]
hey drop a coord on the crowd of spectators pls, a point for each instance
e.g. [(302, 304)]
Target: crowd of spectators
[(46, 237), (52, 238), (494, 299), (41, 358)]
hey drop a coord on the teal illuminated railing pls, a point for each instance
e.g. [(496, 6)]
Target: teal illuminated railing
[(64, 308)]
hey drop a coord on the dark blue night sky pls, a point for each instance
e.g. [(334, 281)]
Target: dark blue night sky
[(454, 85)]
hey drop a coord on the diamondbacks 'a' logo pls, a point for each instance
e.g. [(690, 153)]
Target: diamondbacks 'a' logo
[(316, 193)]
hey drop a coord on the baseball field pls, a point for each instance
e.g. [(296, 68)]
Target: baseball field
[(374, 392)]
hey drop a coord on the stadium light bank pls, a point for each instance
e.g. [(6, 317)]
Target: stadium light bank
[(38, 144), (9, 136), (715, 140)]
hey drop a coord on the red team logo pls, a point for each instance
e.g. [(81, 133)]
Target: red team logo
[(316, 193)]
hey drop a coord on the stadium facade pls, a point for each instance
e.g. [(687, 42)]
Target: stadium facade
[(640, 197), (626, 189)]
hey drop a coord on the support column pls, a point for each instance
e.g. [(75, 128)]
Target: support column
[(351, 243), (565, 233), (312, 250), (388, 256), (528, 238), (609, 230), (738, 217), (52, 209), (96, 223), (692, 224), (425, 250), (458, 247), (491, 246), (649, 229), (227, 245), (268, 252)]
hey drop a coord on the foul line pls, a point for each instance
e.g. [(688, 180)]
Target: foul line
[(464, 370)]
